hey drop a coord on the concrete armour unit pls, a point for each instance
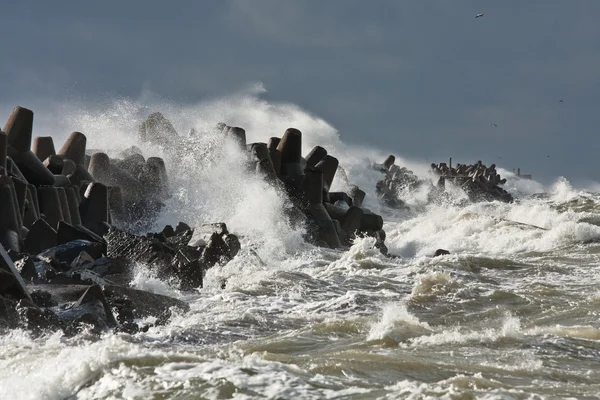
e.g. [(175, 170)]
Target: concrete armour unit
[(69, 167), (9, 222), (264, 165), (157, 129), (389, 161), (61, 181), (73, 202), (32, 169), (312, 191), (3, 149), (275, 154), (133, 164), (43, 147), (329, 167), (104, 172), (54, 163), (326, 231), (64, 204), (13, 170), (20, 188), (238, 135), (290, 147), (315, 155), (41, 236), (352, 220), (18, 128), (50, 204), (357, 195), (34, 196), (371, 222), (157, 165), (335, 212), (94, 205), (74, 148), (31, 215), (334, 197)]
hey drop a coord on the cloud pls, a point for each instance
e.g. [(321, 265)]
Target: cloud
[(298, 24)]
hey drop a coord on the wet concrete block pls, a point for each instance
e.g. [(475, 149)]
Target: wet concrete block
[(41, 236)]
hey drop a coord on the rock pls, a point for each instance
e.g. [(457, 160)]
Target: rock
[(203, 233), (139, 249), (157, 129), (12, 281), (68, 252), (34, 319), (182, 228), (145, 304), (441, 252), (26, 268)]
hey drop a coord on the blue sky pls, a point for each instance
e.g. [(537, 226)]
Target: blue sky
[(423, 78)]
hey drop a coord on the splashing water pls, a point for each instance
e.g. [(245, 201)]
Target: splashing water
[(510, 313)]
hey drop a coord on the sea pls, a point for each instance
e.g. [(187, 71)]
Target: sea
[(511, 313)]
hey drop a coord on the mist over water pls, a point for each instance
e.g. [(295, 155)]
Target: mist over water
[(512, 312)]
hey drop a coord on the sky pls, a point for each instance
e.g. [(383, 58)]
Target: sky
[(422, 78)]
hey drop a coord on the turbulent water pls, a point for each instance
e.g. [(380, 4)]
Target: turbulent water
[(511, 313)]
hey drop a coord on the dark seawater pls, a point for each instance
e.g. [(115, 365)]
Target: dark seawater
[(511, 313)]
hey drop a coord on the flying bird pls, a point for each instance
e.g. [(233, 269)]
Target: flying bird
[(495, 125), (560, 101), (479, 15)]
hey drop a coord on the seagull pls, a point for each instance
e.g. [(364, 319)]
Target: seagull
[(494, 125), (479, 15)]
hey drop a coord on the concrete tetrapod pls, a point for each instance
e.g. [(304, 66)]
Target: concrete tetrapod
[(74, 149), (315, 155), (18, 128), (104, 172), (290, 147), (9, 221), (3, 150), (325, 229), (275, 154), (50, 205), (43, 147)]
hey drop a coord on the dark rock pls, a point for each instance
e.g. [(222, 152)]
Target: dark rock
[(157, 129), (42, 298), (95, 294), (34, 319), (68, 252), (12, 282), (203, 233), (168, 231), (26, 268), (182, 228), (140, 249), (233, 245), (441, 252), (145, 304)]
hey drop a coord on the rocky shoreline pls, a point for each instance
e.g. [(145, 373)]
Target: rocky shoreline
[(72, 224)]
